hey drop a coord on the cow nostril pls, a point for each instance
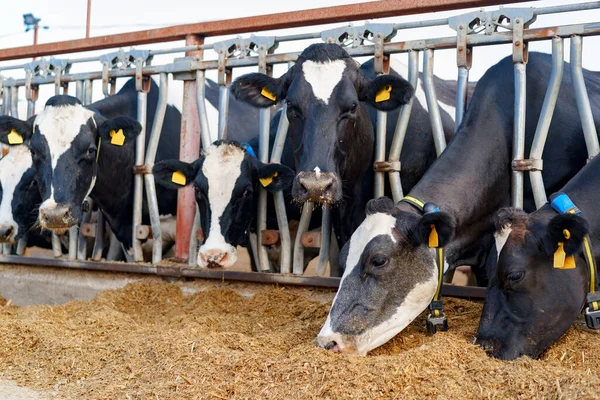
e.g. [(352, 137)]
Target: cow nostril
[(331, 346)]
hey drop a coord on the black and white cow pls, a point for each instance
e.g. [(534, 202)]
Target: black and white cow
[(79, 150), (530, 304), (226, 179), (331, 105), (390, 273)]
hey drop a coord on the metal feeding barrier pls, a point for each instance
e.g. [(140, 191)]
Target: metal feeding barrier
[(478, 28)]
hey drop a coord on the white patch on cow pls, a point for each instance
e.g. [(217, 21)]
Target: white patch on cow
[(12, 168), (60, 126), (402, 69), (221, 167), (501, 238), (317, 172), (323, 77)]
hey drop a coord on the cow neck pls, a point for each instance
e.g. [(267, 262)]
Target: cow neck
[(472, 193)]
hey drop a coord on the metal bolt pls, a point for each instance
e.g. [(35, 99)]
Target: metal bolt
[(517, 43), (461, 27), (461, 48)]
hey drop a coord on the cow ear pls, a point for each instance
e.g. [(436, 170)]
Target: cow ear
[(386, 92), (434, 229), (175, 174), (564, 238), (275, 177), (260, 90), (14, 131), (119, 131)]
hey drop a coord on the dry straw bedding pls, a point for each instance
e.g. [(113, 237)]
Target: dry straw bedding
[(149, 341)]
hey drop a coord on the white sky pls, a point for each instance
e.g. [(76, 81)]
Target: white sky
[(66, 21)]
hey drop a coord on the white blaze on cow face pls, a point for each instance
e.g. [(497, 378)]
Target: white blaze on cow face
[(60, 125), (222, 166), (501, 238), (12, 168), (323, 77)]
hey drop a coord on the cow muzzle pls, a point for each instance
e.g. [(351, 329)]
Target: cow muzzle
[(56, 217), (216, 257), (318, 187), (7, 233)]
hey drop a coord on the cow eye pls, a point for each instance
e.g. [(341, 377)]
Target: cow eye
[(353, 108), (247, 193), (91, 151), (515, 276), (379, 261)]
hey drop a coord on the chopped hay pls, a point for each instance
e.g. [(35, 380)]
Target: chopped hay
[(149, 341)]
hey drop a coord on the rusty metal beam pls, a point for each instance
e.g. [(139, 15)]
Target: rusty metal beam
[(316, 16)]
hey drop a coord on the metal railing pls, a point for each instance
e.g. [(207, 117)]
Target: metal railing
[(479, 28)]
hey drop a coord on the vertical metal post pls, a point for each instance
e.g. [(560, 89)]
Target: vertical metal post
[(56, 246), (81, 246), (189, 151), (581, 96), (380, 142), (6, 248), (223, 111), (432, 104), (159, 118), (325, 240), (138, 179), (543, 125), (22, 245), (461, 95), (193, 248), (79, 90), (14, 101), (5, 98), (464, 57), (87, 100), (519, 61), (99, 240), (307, 210), (401, 126)]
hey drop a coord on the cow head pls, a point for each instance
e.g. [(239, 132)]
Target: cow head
[(225, 179), (64, 141), (390, 277), (19, 195), (330, 128), (529, 304)]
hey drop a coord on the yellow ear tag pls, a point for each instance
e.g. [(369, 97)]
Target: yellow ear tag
[(117, 138), (559, 256), (14, 137), (383, 94), (568, 262), (178, 178), (268, 94), (433, 237), (268, 180)]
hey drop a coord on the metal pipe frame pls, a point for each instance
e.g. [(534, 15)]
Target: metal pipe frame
[(87, 100), (461, 94), (519, 132), (307, 210), (401, 126), (223, 111), (14, 101), (433, 107), (325, 240), (280, 211), (6, 100), (99, 240), (543, 125), (380, 142), (138, 179), (261, 215), (81, 245), (581, 96), (159, 118)]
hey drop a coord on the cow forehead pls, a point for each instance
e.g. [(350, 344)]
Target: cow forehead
[(374, 225), (60, 125), (323, 77)]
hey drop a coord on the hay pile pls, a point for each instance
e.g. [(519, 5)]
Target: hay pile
[(149, 341)]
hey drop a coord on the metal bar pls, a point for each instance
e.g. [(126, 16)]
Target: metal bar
[(543, 125), (14, 102), (519, 133), (280, 211), (261, 215), (114, 246), (325, 240), (56, 246), (140, 268), (223, 111), (317, 16), (99, 240), (6, 95), (138, 179), (81, 246), (432, 104), (380, 141), (307, 209), (581, 96), (193, 247), (22, 245), (79, 93), (401, 126), (88, 92), (159, 118), (189, 151), (461, 95), (6, 248)]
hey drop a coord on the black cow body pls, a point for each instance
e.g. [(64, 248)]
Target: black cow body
[(529, 303), (469, 182)]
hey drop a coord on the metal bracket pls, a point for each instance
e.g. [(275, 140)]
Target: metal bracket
[(48, 67), (528, 165), (354, 36), (387, 166), (464, 53), (520, 48), (126, 59), (241, 48), (489, 21)]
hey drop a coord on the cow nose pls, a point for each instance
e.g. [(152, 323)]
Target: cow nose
[(59, 217), (322, 187), (486, 344), (6, 232), (332, 346), (214, 258)]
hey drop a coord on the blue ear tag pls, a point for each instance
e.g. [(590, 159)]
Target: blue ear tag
[(562, 204), (249, 149), (429, 208)]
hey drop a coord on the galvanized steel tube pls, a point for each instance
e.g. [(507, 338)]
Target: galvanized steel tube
[(138, 180), (307, 211), (380, 140), (581, 96), (6, 101), (461, 95), (88, 92), (201, 105), (401, 126), (14, 101), (261, 215), (325, 240), (519, 133), (6, 248), (432, 105), (99, 239), (193, 248), (73, 239), (22, 245), (223, 111), (543, 125), (282, 220), (79, 91), (159, 118), (56, 246), (82, 240)]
